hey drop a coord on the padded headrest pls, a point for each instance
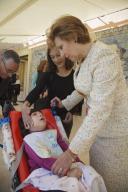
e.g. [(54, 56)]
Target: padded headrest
[(16, 115), (51, 123)]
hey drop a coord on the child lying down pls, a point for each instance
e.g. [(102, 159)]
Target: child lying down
[(43, 144)]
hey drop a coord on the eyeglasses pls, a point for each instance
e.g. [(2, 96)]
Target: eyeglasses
[(8, 71)]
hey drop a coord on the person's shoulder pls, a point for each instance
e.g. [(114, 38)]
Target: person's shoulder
[(102, 47), (52, 74), (44, 74), (99, 51), (47, 76)]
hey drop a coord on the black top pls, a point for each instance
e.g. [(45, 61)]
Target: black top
[(57, 86), (39, 76), (4, 86), (5, 90)]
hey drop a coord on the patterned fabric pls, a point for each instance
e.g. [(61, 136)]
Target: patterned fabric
[(44, 143), (115, 169), (90, 181), (100, 78), (8, 145)]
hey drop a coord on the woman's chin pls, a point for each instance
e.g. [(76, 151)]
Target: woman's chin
[(73, 59), (61, 66)]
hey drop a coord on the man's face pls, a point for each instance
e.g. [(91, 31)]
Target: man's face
[(7, 67)]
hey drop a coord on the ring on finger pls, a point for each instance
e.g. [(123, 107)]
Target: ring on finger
[(60, 170)]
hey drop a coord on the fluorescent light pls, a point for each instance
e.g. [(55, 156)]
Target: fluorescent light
[(36, 40), (116, 17), (94, 23), (36, 45), (102, 21)]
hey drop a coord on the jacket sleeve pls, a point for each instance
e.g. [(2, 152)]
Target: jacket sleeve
[(64, 145), (34, 94), (101, 99), (72, 100)]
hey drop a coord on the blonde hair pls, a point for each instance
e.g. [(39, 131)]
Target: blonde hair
[(69, 28)]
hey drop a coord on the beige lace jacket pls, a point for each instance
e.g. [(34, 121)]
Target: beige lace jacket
[(100, 79)]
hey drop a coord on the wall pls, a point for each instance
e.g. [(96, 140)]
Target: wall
[(35, 56), (23, 72), (117, 36)]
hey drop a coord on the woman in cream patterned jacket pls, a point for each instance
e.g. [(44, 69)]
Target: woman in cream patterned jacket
[(99, 79)]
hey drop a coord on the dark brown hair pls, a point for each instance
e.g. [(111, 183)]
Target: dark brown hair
[(42, 66), (69, 28), (52, 67)]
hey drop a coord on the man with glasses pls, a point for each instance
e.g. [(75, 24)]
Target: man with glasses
[(9, 64)]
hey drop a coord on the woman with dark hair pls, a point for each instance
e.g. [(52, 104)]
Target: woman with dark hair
[(53, 67), (59, 81)]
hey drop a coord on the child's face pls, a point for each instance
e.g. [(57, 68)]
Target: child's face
[(39, 121)]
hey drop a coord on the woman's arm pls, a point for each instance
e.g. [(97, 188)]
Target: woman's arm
[(34, 94), (69, 102), (105, 80), (64, 146), (72, 100)]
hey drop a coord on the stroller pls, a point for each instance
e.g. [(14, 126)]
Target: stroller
[(17, 161)]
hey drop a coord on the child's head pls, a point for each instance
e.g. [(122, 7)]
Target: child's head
[(38, 121)]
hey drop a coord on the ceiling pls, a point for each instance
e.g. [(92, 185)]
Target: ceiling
[(23, 20)]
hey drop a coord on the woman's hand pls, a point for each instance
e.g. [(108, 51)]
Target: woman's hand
[(62, 164), (68, 118), (56, 102), (26, 105), (45, 94), (25, 115)]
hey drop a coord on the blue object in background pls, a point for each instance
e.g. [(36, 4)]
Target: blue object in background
[(1, 146), (4, 120)]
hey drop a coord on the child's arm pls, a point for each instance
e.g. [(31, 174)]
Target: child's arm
[(62, 143), (35, 161)]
